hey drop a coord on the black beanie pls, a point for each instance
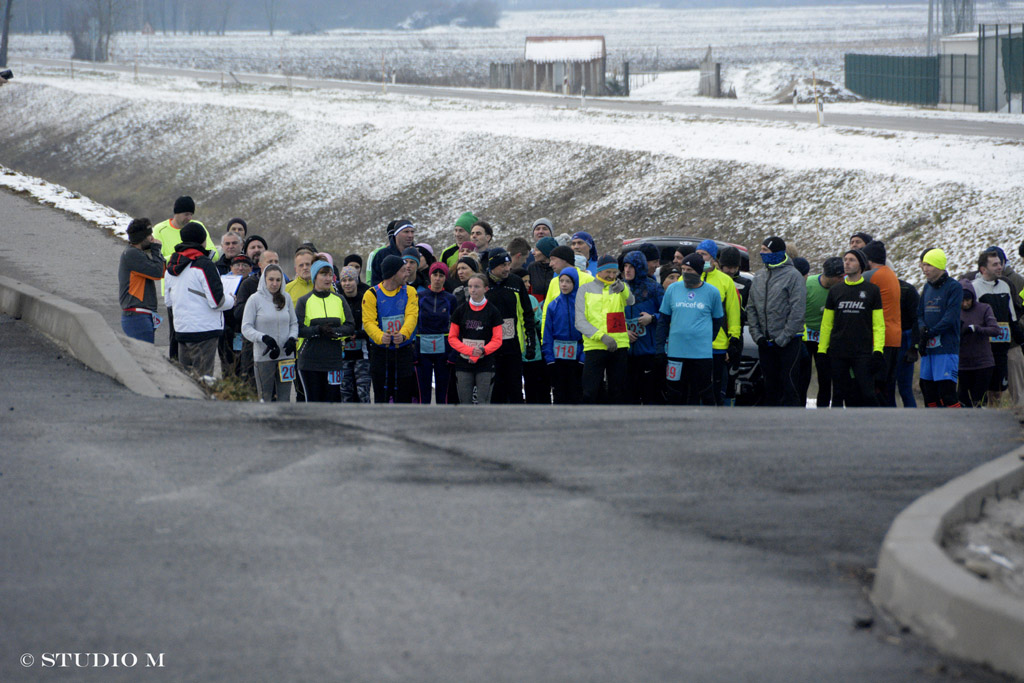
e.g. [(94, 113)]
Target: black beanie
[(184, 205), (832, 267), (861, 258), (245, 226), (695, 261), (254, 238), (138, 230), (864, 236), (875, 252), (193, 233), (564, 253), (498, 257), (471, 262), (390, 266), (729, 258), (353, 258), (775, 244), (650, 251), (802, 265)]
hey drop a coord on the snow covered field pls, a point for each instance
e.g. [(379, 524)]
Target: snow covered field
[(336, 166), (761, 44)]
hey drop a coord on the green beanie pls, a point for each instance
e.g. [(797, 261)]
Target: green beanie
[(466, 221)]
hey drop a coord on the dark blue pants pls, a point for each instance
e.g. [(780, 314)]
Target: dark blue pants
[(138, 326), (433, 366)]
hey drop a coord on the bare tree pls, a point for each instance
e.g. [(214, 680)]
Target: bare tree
[(224, 9), (91, 25), (6, 33), (273, 9)]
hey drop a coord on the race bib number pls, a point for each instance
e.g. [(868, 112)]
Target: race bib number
[(508, 328), (236, 342), (813, 335), (673, 370), (334, 377), (157, 321), (933, 343), (634, 326), (616, 323), (1004, 334), (431, 343), (353, 345), (286, 370), (565, 350), (392, 324), (474, 343)]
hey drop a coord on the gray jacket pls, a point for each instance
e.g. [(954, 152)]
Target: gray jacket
[(262, 317), (775, 307)]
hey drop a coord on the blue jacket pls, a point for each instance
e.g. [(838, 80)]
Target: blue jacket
[(560, 322), (435, 314), (648, 294), (938, 316)]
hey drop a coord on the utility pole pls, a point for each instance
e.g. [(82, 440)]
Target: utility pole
[(6, 33), (931, 26)]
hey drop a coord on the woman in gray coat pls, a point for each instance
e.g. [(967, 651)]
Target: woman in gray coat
[(269, 322)]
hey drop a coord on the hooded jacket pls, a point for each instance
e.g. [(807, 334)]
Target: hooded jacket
[(592, 259), (601, 311), (938, 316), (648, 295), (262, 317), (195, 291), (975, 345), (775, 307), (560, 322)]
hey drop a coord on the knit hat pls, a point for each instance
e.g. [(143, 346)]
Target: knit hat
[(832, 267), (254, 238), (935, 257), (390, 230), (466, 221), (184, 205), (468, 245), (607, 262), (403, 224), (668, 269), (242, 258), (438, 266), (318, 266), (695, 261), (650, 252), (390, 266), (545, 222), (546, 244), (245, 226), (565, 253), (730, 258), (471, 262), (864, 236), (775, 244), (875, 251), (861, 258), (411, 254), (353, 258), (498, 257), (423, 246), (709, 246), (1002, 254), (349, 271), (138, 230), (194, 233), (802, 265), (564, 239)]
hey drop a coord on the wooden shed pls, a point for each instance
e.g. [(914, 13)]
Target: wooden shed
[(565, 64)]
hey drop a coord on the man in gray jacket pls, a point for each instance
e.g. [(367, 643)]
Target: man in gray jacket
[(775, 313), (142, 264)]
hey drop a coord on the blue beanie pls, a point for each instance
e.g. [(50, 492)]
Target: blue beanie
[(319, 265), (608, 261), (709, 246), (1002, 254)]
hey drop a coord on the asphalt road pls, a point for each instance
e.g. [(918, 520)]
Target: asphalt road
[(936, 126), (302, 542)]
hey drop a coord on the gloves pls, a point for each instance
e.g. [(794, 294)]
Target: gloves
[(910, 356), (272, 348), (878, 362), (617, 287), (531, 347), (609, 342), (325, 331), (735, 348), (289, 346), (971, 328)]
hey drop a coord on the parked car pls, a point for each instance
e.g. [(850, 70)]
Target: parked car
[(668, 245)]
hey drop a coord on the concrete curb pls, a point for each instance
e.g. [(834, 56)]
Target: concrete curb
[(82, 330), (922, 587)]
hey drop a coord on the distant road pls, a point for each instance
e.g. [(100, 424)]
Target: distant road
[(934, 126)]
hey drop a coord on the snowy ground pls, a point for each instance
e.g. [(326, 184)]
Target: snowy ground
[(327, 165), (759, 43), (993, 546)]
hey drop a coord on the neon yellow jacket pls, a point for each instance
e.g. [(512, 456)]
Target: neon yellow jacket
[(554, 291), (730, 302), (599, 311)]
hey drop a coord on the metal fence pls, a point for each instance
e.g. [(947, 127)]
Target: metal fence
[(958, 80), (885, 78), (1001, 67)]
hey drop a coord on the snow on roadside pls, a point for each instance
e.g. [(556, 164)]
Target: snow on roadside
[(66, 200)]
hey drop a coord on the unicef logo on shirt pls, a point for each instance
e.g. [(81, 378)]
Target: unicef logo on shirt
[(691, 296)]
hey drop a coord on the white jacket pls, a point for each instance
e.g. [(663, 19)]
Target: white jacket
[(198, 315)]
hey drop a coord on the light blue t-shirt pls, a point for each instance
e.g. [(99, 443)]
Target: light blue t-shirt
[(690, 332)]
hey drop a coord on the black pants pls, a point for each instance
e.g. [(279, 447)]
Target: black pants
[(508, 377), (857, 391), (567, 381), (821, 367), (940, 394), (1000, 373), (393, 374), (719, 373), (973, 386), (537, 382), (885, 381), (696, 384), (780, 366), (317, 389), (596, 364), (226, 351), (644, 381), (173, 351)]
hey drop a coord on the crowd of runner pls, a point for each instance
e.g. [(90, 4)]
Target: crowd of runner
[(548, 319)]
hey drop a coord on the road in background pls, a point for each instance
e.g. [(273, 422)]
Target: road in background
[(935, 126)]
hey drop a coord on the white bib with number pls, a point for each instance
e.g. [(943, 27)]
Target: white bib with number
[(286, 370), (633, 325), (673, 370), (334, 377), (431, 343), (508, 328), (564, 350)]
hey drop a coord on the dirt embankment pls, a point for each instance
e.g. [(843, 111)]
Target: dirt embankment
[(297, 179)]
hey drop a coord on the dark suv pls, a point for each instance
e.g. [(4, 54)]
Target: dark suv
[(668, 245)]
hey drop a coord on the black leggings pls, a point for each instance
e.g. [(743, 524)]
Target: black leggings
[(974, 384), (695, 386), (940, 394), (317, 389)]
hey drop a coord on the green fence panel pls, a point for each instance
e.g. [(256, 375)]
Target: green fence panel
[(889, 78)]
